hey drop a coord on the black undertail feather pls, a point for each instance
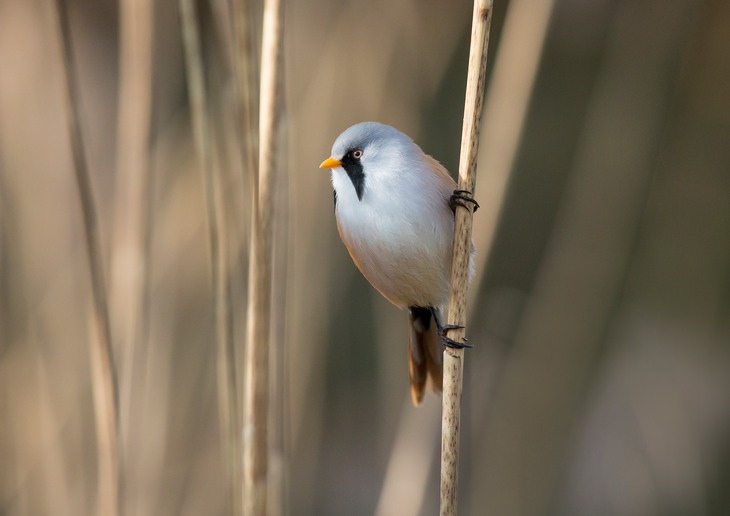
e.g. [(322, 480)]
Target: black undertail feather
[(422, 316)]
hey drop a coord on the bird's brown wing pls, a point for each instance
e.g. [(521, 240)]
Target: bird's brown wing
[(424, 353), (440, 171)]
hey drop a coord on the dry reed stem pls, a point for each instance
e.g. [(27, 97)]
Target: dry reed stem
[(454, 358), (245, 68), (132, 197), (103, 373), (238, 26), (258, 335), (222, 313), (278, 450)]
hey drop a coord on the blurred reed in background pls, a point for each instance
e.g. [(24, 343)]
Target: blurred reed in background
[(601, 319)]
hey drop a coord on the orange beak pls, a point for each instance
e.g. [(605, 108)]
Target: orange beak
[(330, 163)]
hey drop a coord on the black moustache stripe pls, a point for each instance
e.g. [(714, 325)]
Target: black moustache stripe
[(354, 170)]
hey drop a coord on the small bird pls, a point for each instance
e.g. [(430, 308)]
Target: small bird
[(395, 207)]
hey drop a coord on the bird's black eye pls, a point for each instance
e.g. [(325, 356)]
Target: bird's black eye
[(357, 153)]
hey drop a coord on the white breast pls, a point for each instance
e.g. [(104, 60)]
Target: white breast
[(400, 234)]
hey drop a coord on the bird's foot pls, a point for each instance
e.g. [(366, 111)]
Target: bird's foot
[(449, 342), (460, 197), (443, 329)]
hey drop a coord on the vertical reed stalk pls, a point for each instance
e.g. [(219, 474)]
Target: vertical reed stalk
[(258, 335), (454, 358), (222, 313), (129, 257), (245, 68), (276, 491), (103, 372)]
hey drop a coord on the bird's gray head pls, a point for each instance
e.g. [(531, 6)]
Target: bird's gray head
[(368, 149)]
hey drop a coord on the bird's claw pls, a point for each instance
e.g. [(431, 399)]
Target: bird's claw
[(459, 197), (451, 343), (448, 327)]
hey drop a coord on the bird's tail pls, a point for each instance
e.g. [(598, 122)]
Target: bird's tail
[(425, 353)]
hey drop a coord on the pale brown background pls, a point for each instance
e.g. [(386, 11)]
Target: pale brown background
[(600, 379)]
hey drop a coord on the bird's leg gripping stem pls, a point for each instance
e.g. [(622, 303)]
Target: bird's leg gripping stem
[(445, 328), (459, 197)]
